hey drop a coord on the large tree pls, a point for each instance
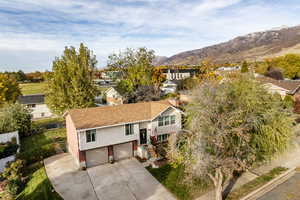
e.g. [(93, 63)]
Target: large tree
[(9, 89), (230, 127), (135, 66), (71, 85)]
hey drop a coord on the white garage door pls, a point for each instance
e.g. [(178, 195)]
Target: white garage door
[(96, 157), (122, 151)]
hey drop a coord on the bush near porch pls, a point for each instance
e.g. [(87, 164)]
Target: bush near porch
[(172, 178)]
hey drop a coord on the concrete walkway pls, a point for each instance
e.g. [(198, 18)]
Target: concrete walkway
[(124, 180)]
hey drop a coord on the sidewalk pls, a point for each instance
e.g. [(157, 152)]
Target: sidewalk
[(289, 159)]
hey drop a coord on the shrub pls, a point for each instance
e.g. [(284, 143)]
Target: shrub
[(15, 117), (8, 149), (13, 174)]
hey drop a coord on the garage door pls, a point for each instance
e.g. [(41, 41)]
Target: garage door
[(96, 157), (122, 151)]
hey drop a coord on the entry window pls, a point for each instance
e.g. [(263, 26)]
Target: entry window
[(91, 135), (129, 129), (172, 119)]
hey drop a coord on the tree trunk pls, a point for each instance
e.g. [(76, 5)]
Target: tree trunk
[(217, 180)]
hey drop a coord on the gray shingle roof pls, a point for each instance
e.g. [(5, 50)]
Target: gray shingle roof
[(32, 99)]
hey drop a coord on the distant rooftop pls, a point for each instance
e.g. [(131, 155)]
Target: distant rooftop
[(32, 99)]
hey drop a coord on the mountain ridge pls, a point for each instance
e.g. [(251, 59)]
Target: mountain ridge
[(251, 47)]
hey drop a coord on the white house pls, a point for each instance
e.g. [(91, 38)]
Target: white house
[(168, 87), (281, 87), (179, 74), (113, 97), (98, 135), (36, 103)]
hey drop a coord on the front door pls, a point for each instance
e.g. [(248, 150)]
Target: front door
[(143, 136)]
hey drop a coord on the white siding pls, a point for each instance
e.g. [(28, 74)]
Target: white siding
[(108, 136), (40, 111), (116, 135), (7, 137), (171, 128)]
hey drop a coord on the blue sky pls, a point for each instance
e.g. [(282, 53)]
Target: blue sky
[(34, 32)]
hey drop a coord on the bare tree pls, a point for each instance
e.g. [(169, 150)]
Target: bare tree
[(231, 126)]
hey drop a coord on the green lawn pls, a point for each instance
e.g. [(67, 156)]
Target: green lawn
[(37, 147), (33, 150), (172, 179), (38, 188), (33, 88), (255, 184)]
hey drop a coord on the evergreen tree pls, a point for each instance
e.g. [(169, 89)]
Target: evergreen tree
[(70, 85), (244, 68)]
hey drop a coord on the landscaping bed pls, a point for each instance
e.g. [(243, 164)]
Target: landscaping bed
[(256, 183), (172, 178)]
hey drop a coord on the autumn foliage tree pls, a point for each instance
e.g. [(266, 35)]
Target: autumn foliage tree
[(230, 127), (70, 85), (137, 72), (9, 89)]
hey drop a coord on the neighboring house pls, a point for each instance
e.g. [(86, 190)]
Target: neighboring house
[(36, 103), (168, 87), (98, 135), (104, 82), (113, 97), (179, 74), (282, 87), (229, 69)]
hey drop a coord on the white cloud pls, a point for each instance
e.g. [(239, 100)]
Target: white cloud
[(40, 27)]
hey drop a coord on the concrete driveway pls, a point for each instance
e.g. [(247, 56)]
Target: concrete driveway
[(124, 180)]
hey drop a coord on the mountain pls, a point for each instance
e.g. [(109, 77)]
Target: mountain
[(254, 46), (159, 60)]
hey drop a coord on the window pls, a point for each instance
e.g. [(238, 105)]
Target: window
[(91, 135), (42, 114), (173, 119), (163, 137), (129, 129), (167, 120), (31, 105), (160, 121)]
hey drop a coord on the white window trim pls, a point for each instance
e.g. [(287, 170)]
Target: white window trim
[(131, 129), (163, 117), (92, 132)]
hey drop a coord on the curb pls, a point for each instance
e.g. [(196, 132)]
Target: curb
[(270, 185)]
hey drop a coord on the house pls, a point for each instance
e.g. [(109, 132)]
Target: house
[(168, 87), (102, 134), (36, 103), (179, 74), (113, 97), (282, 87)]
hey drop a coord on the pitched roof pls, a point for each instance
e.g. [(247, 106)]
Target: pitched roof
[(120, 114), (290, 85), (32, 99)]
